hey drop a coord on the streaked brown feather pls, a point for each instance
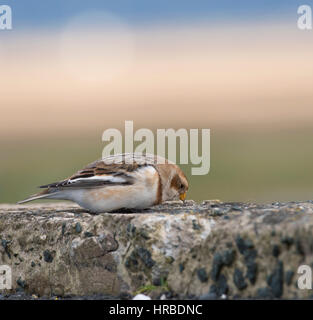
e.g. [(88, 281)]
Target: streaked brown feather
[(106, 167)]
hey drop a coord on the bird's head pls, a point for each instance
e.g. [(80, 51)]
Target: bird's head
[(174, 182)]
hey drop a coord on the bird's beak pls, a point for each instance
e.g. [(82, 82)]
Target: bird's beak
[(182, 196)]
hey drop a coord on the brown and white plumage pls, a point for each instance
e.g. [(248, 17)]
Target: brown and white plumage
[(128, 180)]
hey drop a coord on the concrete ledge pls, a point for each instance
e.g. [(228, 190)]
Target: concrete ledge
[(185, 250)]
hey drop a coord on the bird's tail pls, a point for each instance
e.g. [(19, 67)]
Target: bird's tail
[(44, 194)]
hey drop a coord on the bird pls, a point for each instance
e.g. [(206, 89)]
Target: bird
[(120, 181)]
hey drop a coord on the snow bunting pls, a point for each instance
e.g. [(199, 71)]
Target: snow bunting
[(129, 180)]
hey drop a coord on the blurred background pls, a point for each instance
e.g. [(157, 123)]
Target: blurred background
[(71, 69)]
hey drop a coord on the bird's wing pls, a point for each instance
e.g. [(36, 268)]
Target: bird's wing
[(112, 170)]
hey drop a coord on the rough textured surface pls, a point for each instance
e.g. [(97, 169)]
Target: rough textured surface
[(183, 250)]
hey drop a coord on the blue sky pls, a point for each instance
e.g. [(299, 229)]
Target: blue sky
[(54, 13)]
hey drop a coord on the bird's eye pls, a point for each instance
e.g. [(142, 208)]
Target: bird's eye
[(182, 186)]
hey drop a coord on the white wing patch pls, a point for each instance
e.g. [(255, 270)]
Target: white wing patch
[(96, 181), (106, 178)]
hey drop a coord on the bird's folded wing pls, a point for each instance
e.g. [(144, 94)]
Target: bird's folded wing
[(91, 182), (112, 170)]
